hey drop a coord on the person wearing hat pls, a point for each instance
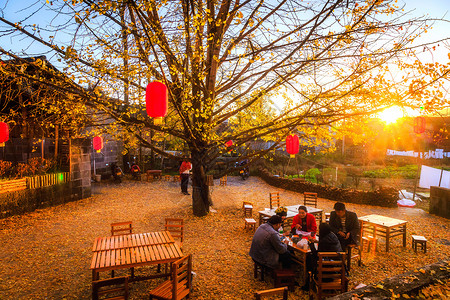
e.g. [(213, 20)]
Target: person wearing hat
[(267, 247)]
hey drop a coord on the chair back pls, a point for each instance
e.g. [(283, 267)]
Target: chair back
[(310, 199), (112, 288), (274, 199), (181, 277), (247, 207), (122, 228), (176, 228), (331, 279), (282, 291)]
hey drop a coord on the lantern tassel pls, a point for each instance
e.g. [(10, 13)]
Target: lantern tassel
[(292, 155), (157, 121), (2, 144)]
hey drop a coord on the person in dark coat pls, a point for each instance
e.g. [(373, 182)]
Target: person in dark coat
[(267, 247), (328, 242), (345, 225)]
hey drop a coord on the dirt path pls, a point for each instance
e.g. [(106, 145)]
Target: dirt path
[(46, 254)]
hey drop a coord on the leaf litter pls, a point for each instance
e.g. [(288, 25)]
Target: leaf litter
[(46, 254)]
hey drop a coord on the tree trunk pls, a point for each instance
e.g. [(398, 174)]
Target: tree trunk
[(201, 198)]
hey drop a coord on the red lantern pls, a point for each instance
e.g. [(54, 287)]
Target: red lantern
[(4, 133), (98, 143), (292, 145), (229, 144), (156, 101), (419, 125)]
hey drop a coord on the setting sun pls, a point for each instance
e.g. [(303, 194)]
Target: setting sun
[(391, 114)]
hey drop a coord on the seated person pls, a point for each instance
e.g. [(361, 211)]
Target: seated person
[(345, 225), (304, 221), (328, 242), (267, 247)]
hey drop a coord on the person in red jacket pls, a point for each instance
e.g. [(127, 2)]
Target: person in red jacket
[(304, 221), (184, 174)]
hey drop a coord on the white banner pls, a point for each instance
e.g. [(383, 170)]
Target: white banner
[(431, 176)]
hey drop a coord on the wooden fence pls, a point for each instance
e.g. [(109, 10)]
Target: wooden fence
[(40, 181), (34, 182), (13, 185)]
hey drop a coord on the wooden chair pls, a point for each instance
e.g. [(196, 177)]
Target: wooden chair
[(167, 177), (112, 288), (247, 208), (176, 229), (250, 224), (223, 180), (179, 286), (122, 228), (331, 279), (283, 292), (274, 199), (310, 199), (353, 251)]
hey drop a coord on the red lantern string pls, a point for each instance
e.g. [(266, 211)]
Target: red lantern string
[(4, 133), (98, 143), (156, 101), (292, 145)]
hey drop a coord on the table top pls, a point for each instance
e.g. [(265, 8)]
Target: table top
[(292, 210), (382, 220), (135, 256), (132, 240), (154, 171), (134, 250)]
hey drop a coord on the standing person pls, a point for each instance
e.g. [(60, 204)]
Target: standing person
[(185, 168), (304, 221), (345, 225), (267, 247)]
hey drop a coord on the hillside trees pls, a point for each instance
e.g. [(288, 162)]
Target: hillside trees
[(226, 65)]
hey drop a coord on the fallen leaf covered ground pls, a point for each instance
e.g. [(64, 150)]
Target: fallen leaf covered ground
[(46, 254)]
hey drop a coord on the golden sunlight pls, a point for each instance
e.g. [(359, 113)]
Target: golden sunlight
[(391, 114)]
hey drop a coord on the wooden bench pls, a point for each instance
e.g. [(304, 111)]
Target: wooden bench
[(13, 185), (154, 174), (418, 239)]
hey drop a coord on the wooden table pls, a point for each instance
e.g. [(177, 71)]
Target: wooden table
[(155, 173), (383, 226), (133, 250), (292, 210)]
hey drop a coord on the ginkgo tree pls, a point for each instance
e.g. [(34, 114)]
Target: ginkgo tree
[(226, 64)]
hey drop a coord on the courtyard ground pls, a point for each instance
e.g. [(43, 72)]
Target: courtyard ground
[(46, 254)]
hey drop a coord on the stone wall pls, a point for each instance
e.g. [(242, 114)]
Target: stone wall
[(386, 197), (80, 168), (440, 201)]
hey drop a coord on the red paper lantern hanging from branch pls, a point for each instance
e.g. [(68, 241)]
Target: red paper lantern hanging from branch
[(419, 125), (4, 133), (229, 144), (292, 145), (98, 143), (156, 101)]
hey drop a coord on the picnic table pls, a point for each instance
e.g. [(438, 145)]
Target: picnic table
[(386, 227), (133, 250), (292, 210)]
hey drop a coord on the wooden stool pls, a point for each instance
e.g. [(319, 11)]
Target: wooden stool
[(327, 218), (356, 255), (167, 177), (223, 180), (369, 240), (176, 178), (262, 269), (284, 277), (250, 224), (418, 239)]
